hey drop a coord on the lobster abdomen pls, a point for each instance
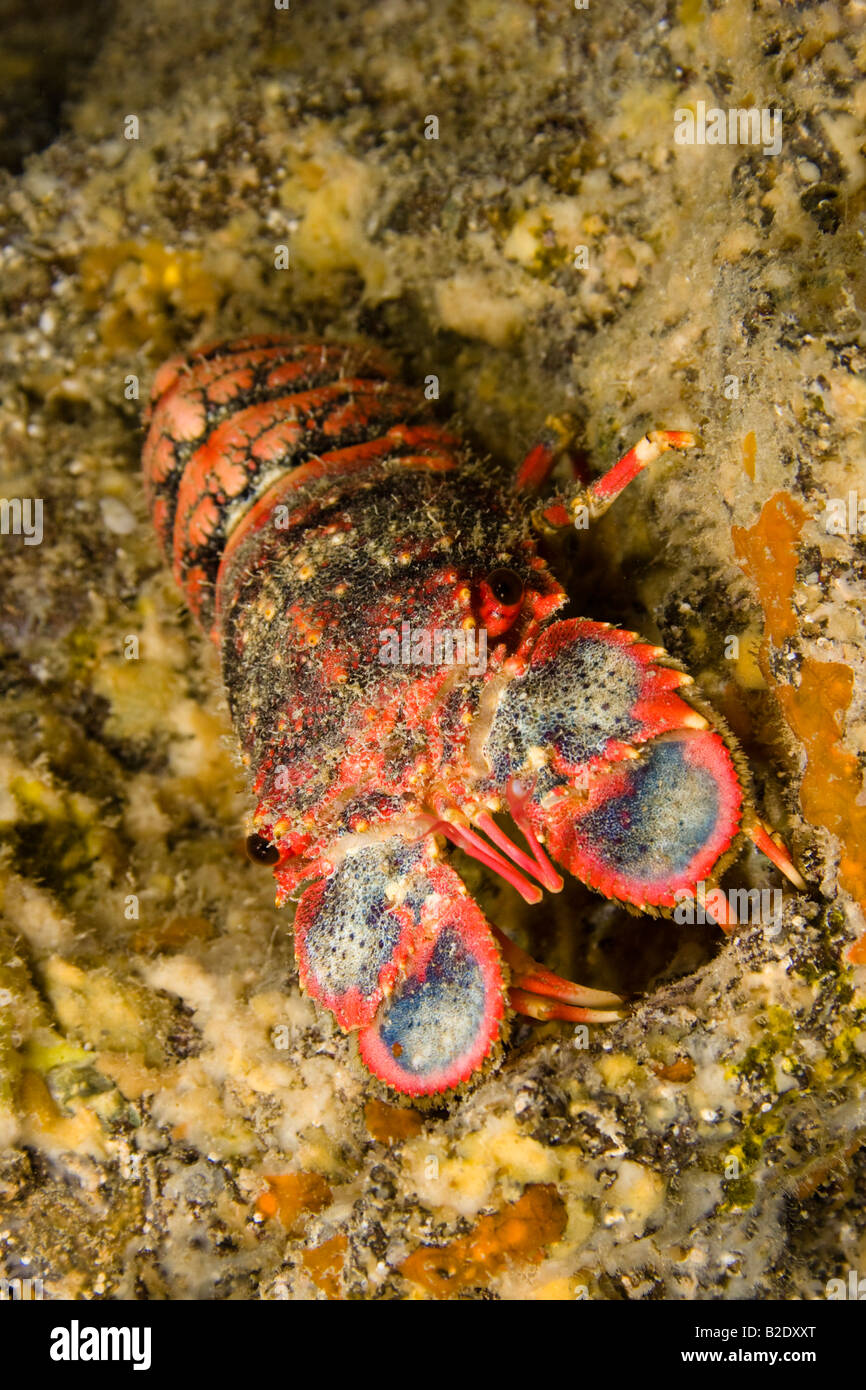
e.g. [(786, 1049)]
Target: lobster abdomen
[(225, 424)]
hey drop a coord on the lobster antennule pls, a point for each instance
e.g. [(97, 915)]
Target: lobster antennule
[(351, 939), (393, 945), (627, 784)]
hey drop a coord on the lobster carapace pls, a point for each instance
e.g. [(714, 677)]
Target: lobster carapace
[(396, 675)]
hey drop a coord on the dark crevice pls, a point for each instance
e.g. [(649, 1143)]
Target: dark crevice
[(45, 54)]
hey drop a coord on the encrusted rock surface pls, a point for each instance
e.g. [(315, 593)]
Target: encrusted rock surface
[(176, 1119)]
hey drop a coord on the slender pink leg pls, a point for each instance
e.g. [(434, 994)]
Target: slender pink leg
[(540, 866), (537, 863), (716, 905), (606, 489), (760, 834), (523, 1002), (535, 467), (719, 911), (472, 844), (558, 433), (540, 994), (599, 495)]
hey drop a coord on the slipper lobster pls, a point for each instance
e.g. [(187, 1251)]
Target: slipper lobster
[(396, 675)]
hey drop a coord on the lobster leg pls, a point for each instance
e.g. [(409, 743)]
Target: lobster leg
[(761, 836), (587, 503), (538, 993), (555, 440)]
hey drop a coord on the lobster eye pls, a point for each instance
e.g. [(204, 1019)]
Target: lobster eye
[(506, 587), (499, 601), (261, 851)]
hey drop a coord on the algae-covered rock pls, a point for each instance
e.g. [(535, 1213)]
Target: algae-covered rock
[(496, 193)]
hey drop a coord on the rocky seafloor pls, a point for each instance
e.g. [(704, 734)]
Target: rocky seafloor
[(177, 1120)]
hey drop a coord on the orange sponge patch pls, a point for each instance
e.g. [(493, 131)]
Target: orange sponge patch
[(815, 708)]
